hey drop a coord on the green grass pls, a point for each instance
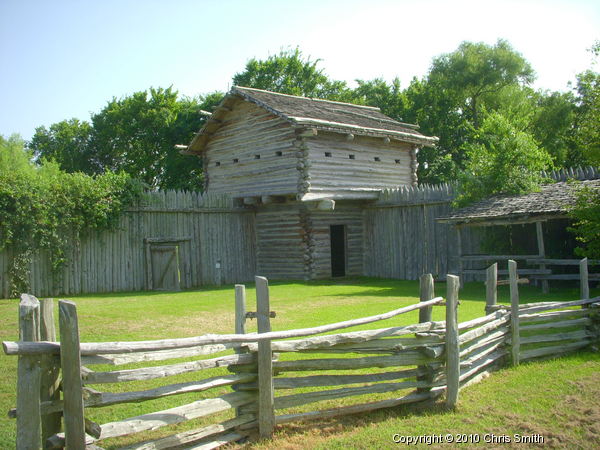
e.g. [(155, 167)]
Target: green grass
[(150, 315)]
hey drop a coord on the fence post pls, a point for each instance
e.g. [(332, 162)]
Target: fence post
[(28, 378), (452, 346), (491, 288), (50, 367), (584, 286), (514, 312), (427, 293), (266, 412), (70, 361), (240, 309)]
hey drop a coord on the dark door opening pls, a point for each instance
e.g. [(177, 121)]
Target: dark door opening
[(338, 250)]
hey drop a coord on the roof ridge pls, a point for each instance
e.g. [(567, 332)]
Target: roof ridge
[(243, 88)]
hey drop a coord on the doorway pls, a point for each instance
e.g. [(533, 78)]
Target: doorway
[(337, 235)]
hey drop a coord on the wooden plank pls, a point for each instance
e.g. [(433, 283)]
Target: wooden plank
[(337, 380), (187, 437), (71, 375), (293, 400), (566, 276), (151, 373), (452, 344), (548, 306), (561, 262), (240, 309), (408, 358), (573, 335), (514, 312), (496, 257), (354, 409), (542, 252), (553, 315), (28, 378), (584, 321), (482, 341), (266, 414), (194, 410), (555, 350), (584, 289), (50, 367), (491, 287)]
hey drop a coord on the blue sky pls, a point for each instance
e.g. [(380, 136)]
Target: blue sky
[(64, 59)]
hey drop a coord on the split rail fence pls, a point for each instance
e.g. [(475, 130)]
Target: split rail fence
[(406, 364)]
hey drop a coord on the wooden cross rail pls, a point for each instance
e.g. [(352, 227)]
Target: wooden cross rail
[(253, 314)]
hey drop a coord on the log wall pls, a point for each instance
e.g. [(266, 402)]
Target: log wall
[(251, 154), (207, 229)]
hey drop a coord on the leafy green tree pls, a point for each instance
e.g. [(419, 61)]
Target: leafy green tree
[(67, 143), (586, 225), (503, 160), (290, 73), (587, 132)]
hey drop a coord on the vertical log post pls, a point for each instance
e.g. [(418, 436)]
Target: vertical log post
[(50, 366), (266, 412), (491, 288), (452, 346), (240, 322), (541, 252), (70, 360), (514, 312), (28, 378), (584, 286), (427, 293)]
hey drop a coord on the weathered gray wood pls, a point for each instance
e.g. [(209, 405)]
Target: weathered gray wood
[(548, 306), (28, 378), (266, 414), (50, 369), (337, 380), (452, 345), (491, 288), (582, 322), (175, 415), (553, 315), (187, 437), (406, 358), (584, 289), (240, 309), (71, 375), (482, 364), (567, 336), (427, 293), (562, 262), (542, 252), (354, 409), (150, 373), (500, 335), (482, 352), (217, 441), (290, 401), (514, 313), (496, 257), (554, 350), (158, 355), (483, 330), (480, 321)]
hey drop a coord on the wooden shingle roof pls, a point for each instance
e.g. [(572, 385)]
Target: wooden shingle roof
[(551, 202), (318, 114)]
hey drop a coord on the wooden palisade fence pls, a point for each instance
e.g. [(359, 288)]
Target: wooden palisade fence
[(430, 358)]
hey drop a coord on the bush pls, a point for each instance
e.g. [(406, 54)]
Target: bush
[(44, 208), (586, 226)]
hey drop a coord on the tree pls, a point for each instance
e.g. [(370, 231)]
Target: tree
[(290, 73), (503, 160), (587, 132), (67, 143), (586, 225)]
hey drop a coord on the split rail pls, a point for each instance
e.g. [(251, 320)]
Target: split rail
[(273, 375)]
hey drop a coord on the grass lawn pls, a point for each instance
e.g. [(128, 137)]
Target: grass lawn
[(552, 397)]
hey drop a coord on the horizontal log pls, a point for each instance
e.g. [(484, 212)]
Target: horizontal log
[(192, 436), (482, 320), (561, 262), (582, 322), (481, 364), (355, 409), (485, 329), (95, 348), (150, 373), (390, 345), (553, 350), (290, 401), (505, 272), (482, 352), (529, 308), (175, 415), (217, 441), (475, 379), (98, 399), (160, 355), (574, 335), (337, 380), (496, 336), (406, 359), (495, 257), (554, 315), (566, 276)]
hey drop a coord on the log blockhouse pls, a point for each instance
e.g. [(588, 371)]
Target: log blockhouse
[(308, 167)]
